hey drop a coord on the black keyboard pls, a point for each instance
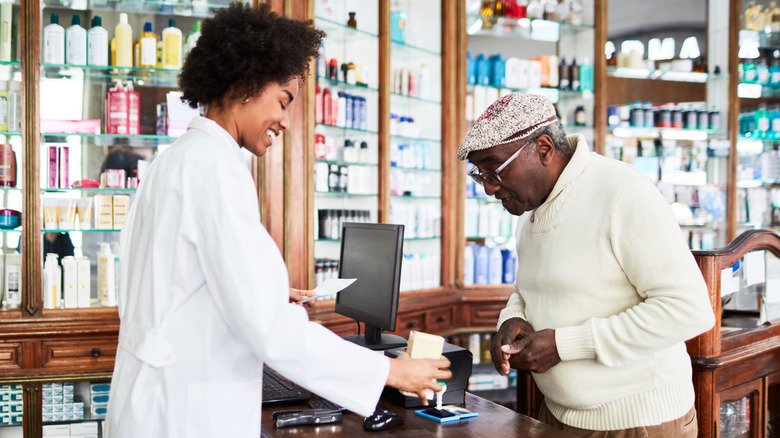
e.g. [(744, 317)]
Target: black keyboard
[(278, 390), (325, 404)]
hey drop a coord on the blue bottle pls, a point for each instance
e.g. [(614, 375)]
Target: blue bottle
[(483, 70), (510, 266), (471, 69), (497, 71), (480, 264)]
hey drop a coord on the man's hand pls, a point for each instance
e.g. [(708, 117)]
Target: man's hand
[(417, 375), (511, 330), (298, 295), (536, 352)]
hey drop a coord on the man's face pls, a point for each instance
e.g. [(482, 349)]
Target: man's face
[(525, 182)]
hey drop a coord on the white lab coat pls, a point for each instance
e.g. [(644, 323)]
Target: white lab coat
[(203, 303)]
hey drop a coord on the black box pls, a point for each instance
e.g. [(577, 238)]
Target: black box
[(460, 366)]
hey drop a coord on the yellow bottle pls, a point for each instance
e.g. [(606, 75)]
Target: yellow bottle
[(172, 46), (148, 47), (753, 16), (112, 45), (123, 34)]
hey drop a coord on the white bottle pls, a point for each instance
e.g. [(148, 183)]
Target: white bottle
[(424, 85), (172, 46), (495, 266), (6, 27), (54, 41), (70, 282), (14, 106), (97, 43), (13, 280), (468, 266), (84, 282), (192, 37), (76, 42), (123, 35), (52, 282), (107, 275)]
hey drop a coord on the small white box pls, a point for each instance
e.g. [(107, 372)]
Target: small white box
[(46, 409), (87, 428), (17, 397), (17, 418), (67, 398), (17, 408), (56, 430), (96, 388), (76, 415), (99, 398), (57, 407), (48, 417)]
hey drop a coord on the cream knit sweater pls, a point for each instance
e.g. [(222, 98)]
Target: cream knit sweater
[(604, 263)]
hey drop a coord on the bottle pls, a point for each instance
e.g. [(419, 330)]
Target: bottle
[(753, 16), (13, 280), (14, 106), (480, 265), (486, 12), (762, 71), (54, 41), (147, 42), (468, 265), (7, 166), (52, 282), (123, 37), (172, 45), (76, 42), (563, 75), (574, 74), (586, 75), (3, 105), (133, 110), (774, 70), (510, 269), (352, 22), (70, 282), (580, 116), (341, 113), (107, 275), (495, 266), (192, 41), (6, 29), (117, 107), (97, 43)]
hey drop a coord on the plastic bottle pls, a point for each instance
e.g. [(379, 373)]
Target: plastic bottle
[(480, 264), (563, 75), (13, 280), (97, 43), (52, 282), (117, 118), (107, 275), (14, 106), (468, 265), (509, 268), (192, 41), (340, 111), (172, 46), (574, 74), (6, 29), (495, 266), (133, 110), (54, 41), (123, 37), (774, 70), (147, 41), (586, 75), (76, 42), (3, 105), (424, 82)]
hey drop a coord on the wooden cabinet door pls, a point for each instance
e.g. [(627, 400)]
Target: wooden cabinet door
[(772, 405), (741, 412)]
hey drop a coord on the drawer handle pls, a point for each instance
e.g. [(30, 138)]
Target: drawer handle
[(96, 352), (441, 319), (411, 324)]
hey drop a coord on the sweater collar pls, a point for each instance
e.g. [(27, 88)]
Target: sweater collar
[(579, 161)]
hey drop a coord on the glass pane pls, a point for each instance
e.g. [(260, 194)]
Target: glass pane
[(750, 291), (735, 418), (415, 138), (74, 408), (107, 110), (773, 411), (346, 172)]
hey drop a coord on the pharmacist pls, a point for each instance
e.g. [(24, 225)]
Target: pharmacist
[(606, 292), (204, 293)]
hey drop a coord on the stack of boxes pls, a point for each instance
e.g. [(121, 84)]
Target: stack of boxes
[(10, 404), (98, 399), (111, 211), (59, 403), (87, 429)]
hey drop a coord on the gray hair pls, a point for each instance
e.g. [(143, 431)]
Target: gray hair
[(556, 133)]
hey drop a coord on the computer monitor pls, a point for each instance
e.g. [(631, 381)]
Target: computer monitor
[(372, 254)]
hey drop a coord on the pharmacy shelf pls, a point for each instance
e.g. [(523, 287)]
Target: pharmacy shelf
[(343, 129), (143, 140), (345, 195), (88, 190), (341, 33), (410, 51), (324, 81), (488, 200), (488, 237), (344, 163), (552, 93), (675, 76), (406, 99), (199, 9), (397, 138), (415, 169), (11, 63), (10, 189), (421, 239), (667, 133), (58, 230), (327, 240), (414, 197), (139, 75), (523, 28), (578, 127)]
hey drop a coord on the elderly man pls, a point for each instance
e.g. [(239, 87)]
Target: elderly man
[(606, 292)]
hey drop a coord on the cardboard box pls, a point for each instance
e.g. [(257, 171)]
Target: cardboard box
[(121, 207), (104, 213), (56, 430), (87, 428)]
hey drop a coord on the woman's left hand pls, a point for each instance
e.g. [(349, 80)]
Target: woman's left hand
[(298, 295)]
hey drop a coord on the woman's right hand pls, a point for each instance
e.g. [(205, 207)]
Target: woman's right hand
[(418, 375)]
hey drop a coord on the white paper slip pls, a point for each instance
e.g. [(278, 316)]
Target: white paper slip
[(330, 287), (755, 271), (727, 283), (772, 291)]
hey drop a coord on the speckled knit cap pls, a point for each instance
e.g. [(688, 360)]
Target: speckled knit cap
[(510, 118)]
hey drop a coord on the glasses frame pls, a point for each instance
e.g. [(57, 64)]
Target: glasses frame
[(491, 176)]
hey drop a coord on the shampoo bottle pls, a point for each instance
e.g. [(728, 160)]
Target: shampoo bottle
[(13, 280), (52, 282), (84, 282), (97, 43), (76, 41), (495, 266), (172, 46), (133, 110), (123, 34), (117, 107), (468, 265), (147, 47), (192, 40), (6, 27), (70, 282), (54, 41), (107, 275), (480, 264)]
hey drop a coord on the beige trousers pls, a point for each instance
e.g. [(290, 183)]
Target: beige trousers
[(683, 427)]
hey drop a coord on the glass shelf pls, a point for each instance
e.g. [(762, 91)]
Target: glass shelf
[(413, 99), (410, 51), (552, 93), (141, 76), (157, 7), (578, 127), (667, 133), (143, 140), (489, 200), (57, 230), (341, 33), (327, 240), (15, 230), (415, 169), (322, 80), (10, 133), (88, 190), (346, 195), (344, 163), (414, 197), (421, 239), (404, 138), (344, 129), (676, 76), (11, 63), (488, 237), (523, 28)]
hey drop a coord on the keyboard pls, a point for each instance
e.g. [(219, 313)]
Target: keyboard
[(278, 390), (325, 404)]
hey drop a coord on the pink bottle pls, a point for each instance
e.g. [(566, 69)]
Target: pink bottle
[(53, 168), (318, 113), (117, 117), (133, 110), (62, 165)]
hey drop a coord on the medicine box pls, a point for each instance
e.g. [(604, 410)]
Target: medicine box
[(97, 388), (56, 430), (99, 398), (87, 428)]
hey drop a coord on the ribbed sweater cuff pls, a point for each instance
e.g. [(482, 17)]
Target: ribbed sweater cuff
[(575, 342), (506, 315)]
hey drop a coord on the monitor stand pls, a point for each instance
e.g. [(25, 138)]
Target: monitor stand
[(374, 339)]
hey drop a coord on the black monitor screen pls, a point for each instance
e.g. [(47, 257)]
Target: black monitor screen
[(372, 254)]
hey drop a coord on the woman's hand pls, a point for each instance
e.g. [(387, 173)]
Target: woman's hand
[(418, 375), (298, 295)]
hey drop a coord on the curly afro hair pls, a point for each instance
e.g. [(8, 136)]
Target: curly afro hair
[(241, 50)]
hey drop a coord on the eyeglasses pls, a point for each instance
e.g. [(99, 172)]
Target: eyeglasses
[(491, 176)]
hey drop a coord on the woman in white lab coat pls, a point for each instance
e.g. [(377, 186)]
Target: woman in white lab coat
[(204, 291)]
